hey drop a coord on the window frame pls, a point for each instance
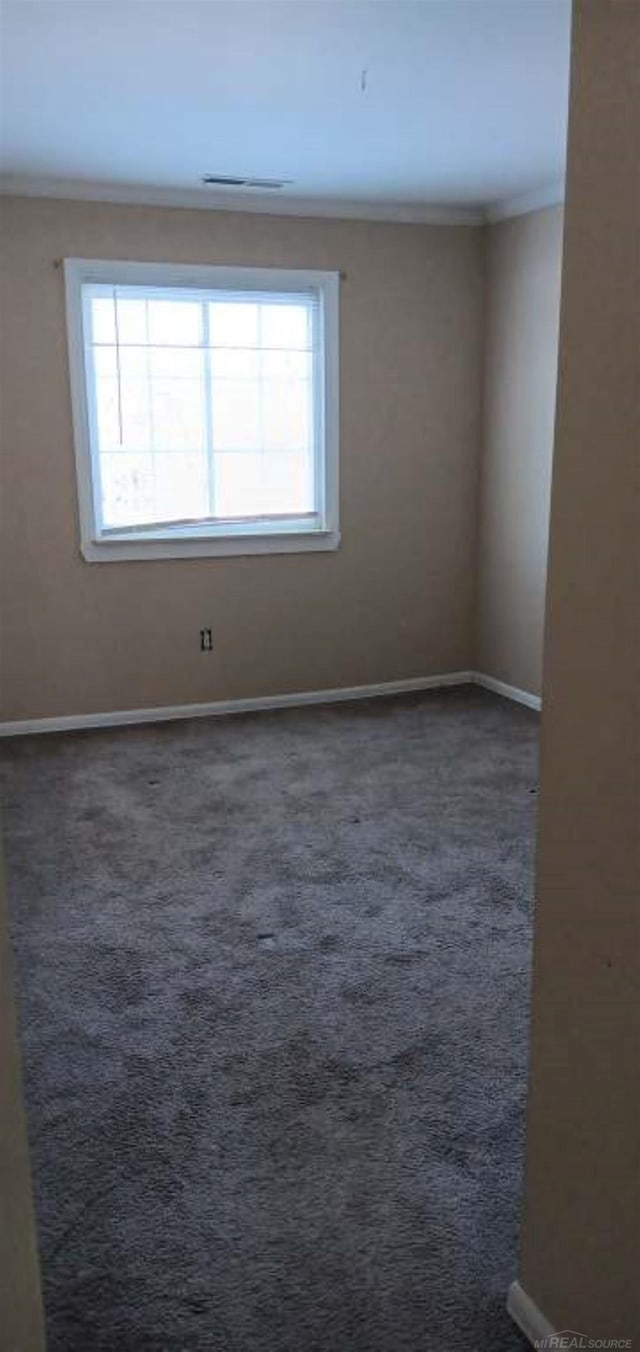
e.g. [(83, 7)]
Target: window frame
[(173, 542)]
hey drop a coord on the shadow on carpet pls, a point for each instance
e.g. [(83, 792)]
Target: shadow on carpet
[(273, 978)]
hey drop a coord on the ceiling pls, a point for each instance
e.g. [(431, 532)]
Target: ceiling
[(400, 106)]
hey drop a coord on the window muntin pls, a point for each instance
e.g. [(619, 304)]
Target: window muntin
[(206, 407)]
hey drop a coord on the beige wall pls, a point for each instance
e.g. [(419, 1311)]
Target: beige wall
[(581, 1236), (396, 600), (521, 350), (21, 1318)]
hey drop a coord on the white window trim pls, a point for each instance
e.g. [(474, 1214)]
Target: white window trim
[(281, 537)]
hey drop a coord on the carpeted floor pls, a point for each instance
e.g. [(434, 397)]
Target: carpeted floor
[(273, 974)]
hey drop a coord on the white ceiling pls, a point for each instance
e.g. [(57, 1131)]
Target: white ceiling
[(401, 104)]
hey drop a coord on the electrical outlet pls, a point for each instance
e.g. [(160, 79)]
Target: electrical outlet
[(206, 641)]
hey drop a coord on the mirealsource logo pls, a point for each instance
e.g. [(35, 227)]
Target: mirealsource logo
[(570, 1341)]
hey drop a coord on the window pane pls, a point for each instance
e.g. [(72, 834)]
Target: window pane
[(286, 416), (103, 319), (132, 320), (177, 410), (136, 420), (233, 323), (285, 325), (127, 489), (134, 362), (181, 486), (287, 483), (178, 363), (107, 414), (175, 322), (236, 415), (235, 364), (238, 485), (282, 365), (260, 485), (105, 361)]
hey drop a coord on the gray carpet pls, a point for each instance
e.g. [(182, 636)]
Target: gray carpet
[(273, 978)]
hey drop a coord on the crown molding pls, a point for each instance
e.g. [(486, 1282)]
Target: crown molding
[(551, 195), (205, 199), (338, 208)]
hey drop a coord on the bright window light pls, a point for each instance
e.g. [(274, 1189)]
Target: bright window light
[(205, 409)]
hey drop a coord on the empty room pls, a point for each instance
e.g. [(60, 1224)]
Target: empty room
[(318, 727)]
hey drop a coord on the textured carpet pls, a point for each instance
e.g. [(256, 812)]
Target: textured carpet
[(273, 979)]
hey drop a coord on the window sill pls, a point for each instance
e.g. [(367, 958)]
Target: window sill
[(130, 547)]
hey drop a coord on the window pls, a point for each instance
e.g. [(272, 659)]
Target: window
[(205, 409)]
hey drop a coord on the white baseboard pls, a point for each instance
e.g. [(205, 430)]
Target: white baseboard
[(167, 713), (509, 691), (527, 1316), (119, 717)]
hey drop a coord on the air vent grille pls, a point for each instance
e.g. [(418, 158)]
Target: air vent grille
[(235, 181)]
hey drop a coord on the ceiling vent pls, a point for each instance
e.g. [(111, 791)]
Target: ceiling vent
[(233, 181)]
